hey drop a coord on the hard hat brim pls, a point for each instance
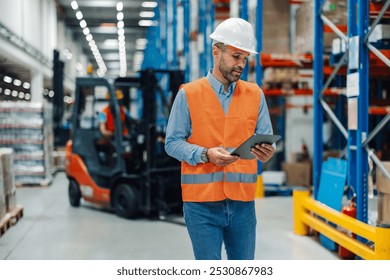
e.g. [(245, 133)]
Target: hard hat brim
[(212, 36)]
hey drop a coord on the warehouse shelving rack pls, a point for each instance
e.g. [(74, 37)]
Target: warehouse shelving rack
[(205, 24), (306, 209), (162, 53)]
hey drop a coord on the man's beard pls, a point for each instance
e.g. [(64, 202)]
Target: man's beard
[(230, 74)]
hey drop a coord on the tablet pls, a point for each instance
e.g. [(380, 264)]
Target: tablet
[(244, 150)]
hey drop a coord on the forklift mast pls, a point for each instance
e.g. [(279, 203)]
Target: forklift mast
[(157, 164)]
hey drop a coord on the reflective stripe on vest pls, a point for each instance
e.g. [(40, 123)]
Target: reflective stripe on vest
[(212, 128), (218, 177)]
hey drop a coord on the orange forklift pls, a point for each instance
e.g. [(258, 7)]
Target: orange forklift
[(132, 175)]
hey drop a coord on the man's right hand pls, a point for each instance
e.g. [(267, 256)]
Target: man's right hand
[(220, 157)]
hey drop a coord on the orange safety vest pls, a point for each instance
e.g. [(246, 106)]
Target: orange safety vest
[(212, 128), (110, 125)]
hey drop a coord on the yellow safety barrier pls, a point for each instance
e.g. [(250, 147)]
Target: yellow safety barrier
[(259, 187), (309, 213)]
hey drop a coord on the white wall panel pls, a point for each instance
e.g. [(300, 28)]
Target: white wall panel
[(11, 15), (32, 23)]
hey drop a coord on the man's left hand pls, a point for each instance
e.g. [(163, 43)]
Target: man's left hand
[(263, 152)]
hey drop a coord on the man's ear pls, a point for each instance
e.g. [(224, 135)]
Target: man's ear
[(216, 50)]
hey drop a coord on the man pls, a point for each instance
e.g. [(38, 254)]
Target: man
[(106, 150), (106, 119), (210, 117)]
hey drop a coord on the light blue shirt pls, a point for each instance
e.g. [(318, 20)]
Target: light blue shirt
[(179, 124)]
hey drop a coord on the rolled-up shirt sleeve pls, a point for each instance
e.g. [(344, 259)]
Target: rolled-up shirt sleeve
[(179, 130), (264, 125)]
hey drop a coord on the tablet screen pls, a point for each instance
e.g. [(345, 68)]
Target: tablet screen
[(244, 150)]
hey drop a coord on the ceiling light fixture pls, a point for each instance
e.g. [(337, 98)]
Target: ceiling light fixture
[(145, 14), (26, 85), (149, 4), (140, 43), (121, 41), (137, 60), (146, 22), (86, 31), (17, 82), (74, 5), (119, 6), (79, 15), (7, 79), (111, 42), (121, 24), (83, 23), (119, 16), (88, 36)]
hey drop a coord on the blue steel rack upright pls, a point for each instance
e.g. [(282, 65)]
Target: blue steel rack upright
[(206, 24), (357, 137), (244, 15)]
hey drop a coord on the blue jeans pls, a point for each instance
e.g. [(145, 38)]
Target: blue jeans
[(210, 224)]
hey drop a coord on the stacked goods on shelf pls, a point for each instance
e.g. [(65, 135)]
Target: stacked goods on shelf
[(59, 156), (335, 10), (284, 78), (299, 168), (26, 127), (276, 26), (381, 34)]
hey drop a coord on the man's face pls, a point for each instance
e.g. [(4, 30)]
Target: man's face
[(232, 63)]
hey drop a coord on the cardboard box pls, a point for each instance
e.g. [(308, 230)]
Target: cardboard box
[(331, 153), (300, 157), (304, 29), (381, 32), (298, 173)]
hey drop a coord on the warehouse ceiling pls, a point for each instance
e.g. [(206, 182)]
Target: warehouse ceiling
[(105, 20), (116, 28)]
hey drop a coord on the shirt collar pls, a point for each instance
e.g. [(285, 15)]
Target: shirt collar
[(218, 86)]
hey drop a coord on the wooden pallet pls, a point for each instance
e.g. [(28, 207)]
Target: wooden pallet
[(43, 183), (10, 219)]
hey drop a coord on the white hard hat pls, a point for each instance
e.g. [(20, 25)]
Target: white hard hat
[(237, 33)]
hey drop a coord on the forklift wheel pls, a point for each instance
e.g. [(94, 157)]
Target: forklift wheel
[(126, 201), (74, 193)]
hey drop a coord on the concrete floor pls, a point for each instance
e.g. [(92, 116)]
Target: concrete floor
[(53, 230)]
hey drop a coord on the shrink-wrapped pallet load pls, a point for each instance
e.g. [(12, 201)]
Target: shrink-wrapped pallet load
[(27, 128), (2, 194), (8, 178)]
